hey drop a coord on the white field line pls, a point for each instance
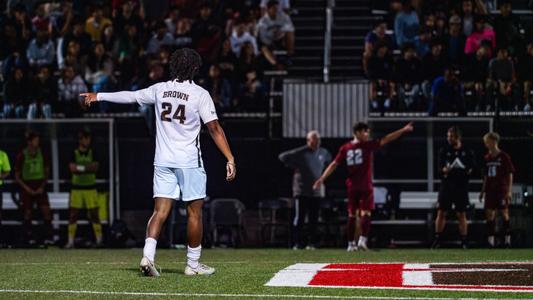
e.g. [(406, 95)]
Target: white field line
[(213, 295)]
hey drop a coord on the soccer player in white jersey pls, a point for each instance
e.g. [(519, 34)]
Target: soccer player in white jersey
[(180, 104)]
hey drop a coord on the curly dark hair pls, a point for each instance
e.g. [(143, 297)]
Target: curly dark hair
[(185, 64)]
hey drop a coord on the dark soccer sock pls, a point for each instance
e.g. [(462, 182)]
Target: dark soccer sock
[(365, 225), (491, 228), (350, 229), (506, 227), (463, 238)]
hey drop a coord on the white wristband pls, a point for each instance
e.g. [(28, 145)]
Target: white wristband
[(80, 168)]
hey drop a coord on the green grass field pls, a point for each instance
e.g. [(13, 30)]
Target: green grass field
[(242, 273)]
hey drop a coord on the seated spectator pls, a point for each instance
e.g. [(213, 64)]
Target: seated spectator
[(469, 9), (252, 94), (127, 50), (219, 88), (525, 65), (45, 93), (475, 76), (108, 38), (502, 82), (455, 41), (422, 41), (508, 29), (433, 65), (380, 68), (227, 61), (276, 32), (41, 50), (374, 37), (247, 61), (17, 95), (61, 21), (395, 7), (74, 59), (406, 25), (69, 87), (41, 21), (99, 62), (161, 37), (284, 6), (239, 36), (79, 35), (408, 77), (172, 20), (447, 92), (481, 33), (182, 36), (95, 25), (206, 34), (128, 14)]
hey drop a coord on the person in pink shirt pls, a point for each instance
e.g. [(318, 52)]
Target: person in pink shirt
[(481, 33)]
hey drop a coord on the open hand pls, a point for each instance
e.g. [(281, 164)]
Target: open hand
[(317, 184)]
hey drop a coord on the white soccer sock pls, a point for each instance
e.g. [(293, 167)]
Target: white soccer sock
[(508, 239), (149, 248), (193, 256), (362, 240), (491, 240)]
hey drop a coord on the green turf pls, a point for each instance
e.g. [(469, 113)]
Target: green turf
[(243, 271)]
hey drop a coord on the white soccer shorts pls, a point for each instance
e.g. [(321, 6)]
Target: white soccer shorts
[(169, 182)]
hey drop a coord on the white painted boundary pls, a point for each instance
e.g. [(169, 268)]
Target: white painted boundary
[(209, 295)]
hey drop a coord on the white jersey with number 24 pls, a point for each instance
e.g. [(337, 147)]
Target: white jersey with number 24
[(179, 109)]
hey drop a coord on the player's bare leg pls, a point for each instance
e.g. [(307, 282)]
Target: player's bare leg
[(440, 223), (153, 229), (365, 221), (194, 238), (490, 216), (351, 232), (463, 228), (506, 227)]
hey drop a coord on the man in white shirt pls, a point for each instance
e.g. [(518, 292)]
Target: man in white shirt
[(181, 106), (276, 32), (239, 37)]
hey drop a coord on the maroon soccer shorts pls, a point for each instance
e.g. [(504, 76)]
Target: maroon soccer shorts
[(27, 201), (495, 200), (360, 200)]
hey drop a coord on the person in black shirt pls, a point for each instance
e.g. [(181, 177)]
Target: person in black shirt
[(456, 163), (508, 29), (408, 76), (380, 68), (475, 74), (525, 65), (433, 65)]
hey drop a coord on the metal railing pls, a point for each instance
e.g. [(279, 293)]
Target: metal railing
[(327, 39)]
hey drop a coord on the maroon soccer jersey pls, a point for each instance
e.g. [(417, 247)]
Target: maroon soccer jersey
[(357, 157), (497, 170)]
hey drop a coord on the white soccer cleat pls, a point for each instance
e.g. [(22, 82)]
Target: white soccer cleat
[(69, 245), (362, 246), (351, 248), (148, 268), (200, 270)]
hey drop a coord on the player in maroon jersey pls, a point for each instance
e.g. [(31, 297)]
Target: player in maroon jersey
[(496, 190), (357, 156)]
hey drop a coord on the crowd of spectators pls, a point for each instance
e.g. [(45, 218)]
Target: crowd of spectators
[(450, 56), (53, 50)]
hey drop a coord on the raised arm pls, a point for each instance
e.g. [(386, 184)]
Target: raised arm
[(118, 97), (219, 137), (396, 134)]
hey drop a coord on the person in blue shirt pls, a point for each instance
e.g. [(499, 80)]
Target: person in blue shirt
[(447, 94), (406, 25)]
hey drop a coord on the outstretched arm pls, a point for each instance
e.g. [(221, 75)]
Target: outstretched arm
[(329, 170), (396, 134), (118, 97), (217, 134)]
